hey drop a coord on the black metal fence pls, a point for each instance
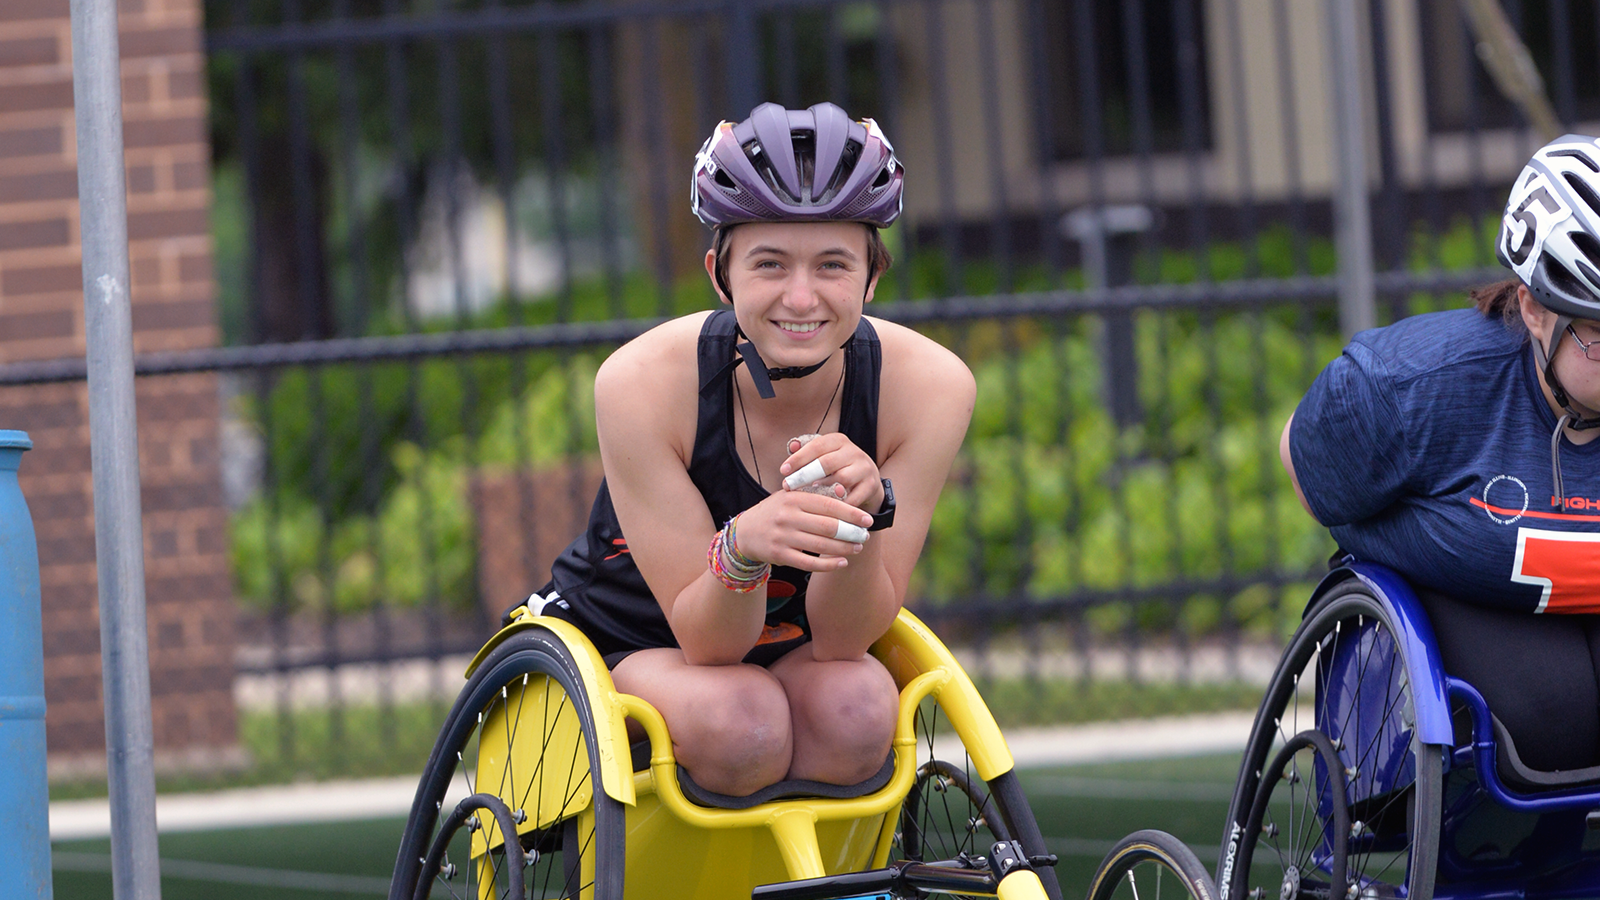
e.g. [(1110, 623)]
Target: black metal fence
[(435, 218)]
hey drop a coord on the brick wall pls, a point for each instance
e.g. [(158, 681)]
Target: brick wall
[(191, 612)]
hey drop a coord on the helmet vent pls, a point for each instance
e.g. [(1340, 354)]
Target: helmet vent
[(1561, 280), (1580, 156), (1588, 246), (1584, 191)]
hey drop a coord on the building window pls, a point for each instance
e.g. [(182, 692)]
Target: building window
[(1559, 34), (1149, 61)]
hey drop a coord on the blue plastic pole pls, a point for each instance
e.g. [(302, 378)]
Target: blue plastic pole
[(24, 798)]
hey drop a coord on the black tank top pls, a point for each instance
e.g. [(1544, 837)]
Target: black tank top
[(601, 590)]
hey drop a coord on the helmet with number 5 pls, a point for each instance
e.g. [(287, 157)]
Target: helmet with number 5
[(1550, 235)]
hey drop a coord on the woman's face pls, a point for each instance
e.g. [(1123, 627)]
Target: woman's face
[(800, 286), (1579, 374)]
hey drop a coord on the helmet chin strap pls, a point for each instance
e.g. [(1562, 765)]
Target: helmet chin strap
[(1571, 418), (763, 377)]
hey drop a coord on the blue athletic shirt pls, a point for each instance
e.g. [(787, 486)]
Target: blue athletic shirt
[(1426, 447)]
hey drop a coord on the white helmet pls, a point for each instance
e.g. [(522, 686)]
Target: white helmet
[(1550, 235)]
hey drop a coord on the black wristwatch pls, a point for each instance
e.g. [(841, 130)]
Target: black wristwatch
[(884, 517)]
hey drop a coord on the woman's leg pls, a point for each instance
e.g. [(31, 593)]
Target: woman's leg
[(1536, 672), (843, 714), (729, 724)]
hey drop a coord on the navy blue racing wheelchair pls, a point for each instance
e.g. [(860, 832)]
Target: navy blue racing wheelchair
[(1372, 773)]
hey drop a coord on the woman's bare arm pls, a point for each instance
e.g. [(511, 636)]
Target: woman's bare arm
[(1288, 466)]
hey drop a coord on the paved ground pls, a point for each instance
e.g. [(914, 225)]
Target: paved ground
[(338, 801)]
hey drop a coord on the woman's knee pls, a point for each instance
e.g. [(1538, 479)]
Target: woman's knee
[(739, 740), (848, 719)]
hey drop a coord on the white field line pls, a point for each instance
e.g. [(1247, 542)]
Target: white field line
[(391, 797)]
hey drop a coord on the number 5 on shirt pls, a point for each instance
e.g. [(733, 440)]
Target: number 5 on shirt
[(1565, 564)]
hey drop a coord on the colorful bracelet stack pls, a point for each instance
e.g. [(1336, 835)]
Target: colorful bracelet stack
[(736, 571)]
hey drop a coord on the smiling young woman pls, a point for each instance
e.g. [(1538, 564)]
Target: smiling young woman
[(749, 591)]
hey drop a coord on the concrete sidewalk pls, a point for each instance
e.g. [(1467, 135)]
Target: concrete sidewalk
[(391, 797)]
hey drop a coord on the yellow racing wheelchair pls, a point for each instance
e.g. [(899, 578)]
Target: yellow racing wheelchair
[(533, 791)]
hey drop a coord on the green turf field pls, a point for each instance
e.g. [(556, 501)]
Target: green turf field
[(1081, 809)]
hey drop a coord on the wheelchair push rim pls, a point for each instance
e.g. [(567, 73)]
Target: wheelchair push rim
[(528, 689), (1346, 674)]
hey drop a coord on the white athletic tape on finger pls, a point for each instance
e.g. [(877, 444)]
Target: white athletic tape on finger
[(848, 531), (811, 471)]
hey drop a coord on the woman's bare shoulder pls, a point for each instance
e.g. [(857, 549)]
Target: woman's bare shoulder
[(660, 358), (915, 364)]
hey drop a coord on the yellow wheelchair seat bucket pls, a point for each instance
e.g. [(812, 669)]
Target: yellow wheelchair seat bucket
[(677, 849)]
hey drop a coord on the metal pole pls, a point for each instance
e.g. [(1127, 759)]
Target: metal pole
[(1352, 216), (114, 450)]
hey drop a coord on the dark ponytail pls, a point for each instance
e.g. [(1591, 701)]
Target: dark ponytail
[(1500, 300)]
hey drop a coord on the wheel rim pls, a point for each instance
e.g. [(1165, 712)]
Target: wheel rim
[(949, 812), (519, 735), (1301, 824), (1344, 643)]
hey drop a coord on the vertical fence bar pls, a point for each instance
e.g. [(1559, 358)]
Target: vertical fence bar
[(1352, 217), (114, 450)]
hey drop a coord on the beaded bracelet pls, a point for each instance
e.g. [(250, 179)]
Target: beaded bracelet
[(736, 571)]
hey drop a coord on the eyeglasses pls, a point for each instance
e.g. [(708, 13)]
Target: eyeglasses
[(1591, 349)]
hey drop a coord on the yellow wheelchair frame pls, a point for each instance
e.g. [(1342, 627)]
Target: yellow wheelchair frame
[(676, 849)]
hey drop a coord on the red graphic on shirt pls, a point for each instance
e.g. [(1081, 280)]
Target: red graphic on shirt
[(622, 547), (783, 631), (777, 590), (1565, 565)]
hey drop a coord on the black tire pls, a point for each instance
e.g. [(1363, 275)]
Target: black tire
[(1297, 840), (1396, 855), (950, 811), (1150, 865), (558, 853)]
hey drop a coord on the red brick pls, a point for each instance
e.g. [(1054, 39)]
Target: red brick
[(20, 10), (141, 179), (195, 267), (32, 326), (71, 505), (42, 280), (168, 42), (29, 97), (27, 235), (30, 142), (191, 176), (187, 85), (38, 51), (160, 224), (176, 132), (170, 316), (66, 550), (37, 186), (136, 89)]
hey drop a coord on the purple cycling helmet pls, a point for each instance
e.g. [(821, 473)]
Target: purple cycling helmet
[(805, 165)]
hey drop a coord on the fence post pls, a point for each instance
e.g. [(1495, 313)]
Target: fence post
[(24, 828), (114, 450), (1351, 212), (1108, 236)]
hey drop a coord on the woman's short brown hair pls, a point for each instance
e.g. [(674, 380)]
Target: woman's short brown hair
[(878, 257), (1500, 299)]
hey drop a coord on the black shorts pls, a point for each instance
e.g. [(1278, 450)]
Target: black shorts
[(1538, 674), (776, 641)]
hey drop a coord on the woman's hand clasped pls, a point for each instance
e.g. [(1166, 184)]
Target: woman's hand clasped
[(800, 530), (842, 463)]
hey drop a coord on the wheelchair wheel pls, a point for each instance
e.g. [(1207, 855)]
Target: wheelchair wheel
[(951, 812), (1297, 838), (487, 874), (1345, 674), (525, 716), (1149, 865)]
